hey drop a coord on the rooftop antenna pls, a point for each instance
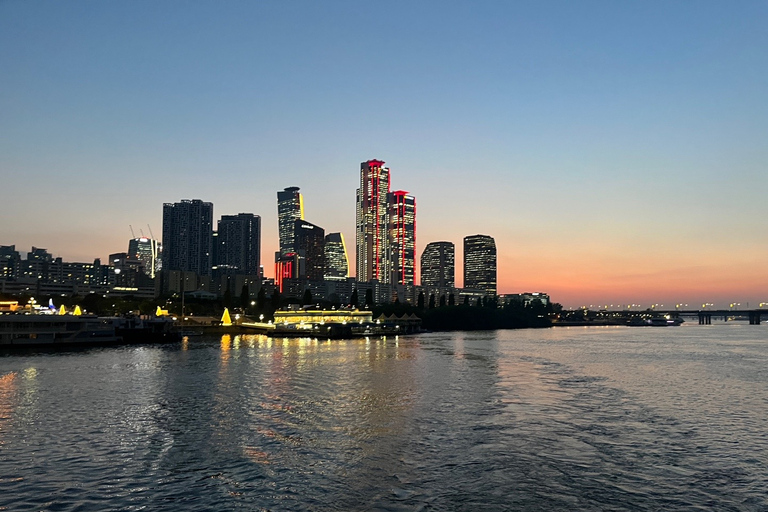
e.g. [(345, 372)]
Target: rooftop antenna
[(142, 233), (150, 232), (133, 235)]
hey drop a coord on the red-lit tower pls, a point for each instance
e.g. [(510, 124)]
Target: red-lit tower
[(373, 224)]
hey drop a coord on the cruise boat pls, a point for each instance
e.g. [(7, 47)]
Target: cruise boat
[(23, 330)]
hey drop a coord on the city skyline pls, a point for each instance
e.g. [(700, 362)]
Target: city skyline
[(614, 152)]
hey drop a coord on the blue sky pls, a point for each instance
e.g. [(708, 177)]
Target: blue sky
[(606, 145)]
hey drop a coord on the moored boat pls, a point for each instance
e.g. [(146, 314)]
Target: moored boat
[(20, 330)]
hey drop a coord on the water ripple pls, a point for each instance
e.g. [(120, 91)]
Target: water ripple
[(587, 419)]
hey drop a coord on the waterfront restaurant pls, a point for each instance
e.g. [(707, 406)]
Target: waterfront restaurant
[(319, 316)]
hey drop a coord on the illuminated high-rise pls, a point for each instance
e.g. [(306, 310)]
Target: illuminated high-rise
[(147, 251), (336, 260), (187, 236), (480, 263), (290, 208), (402, 216), (372, 215), (438, 267)]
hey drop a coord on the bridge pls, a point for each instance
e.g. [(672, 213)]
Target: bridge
[(705, 315)]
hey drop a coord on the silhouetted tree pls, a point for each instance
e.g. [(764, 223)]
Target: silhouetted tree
[(307, 299), (228, 298), (442, 300), (466, 300), (479, 301), (369, 298), (261, 299), (245, 297), (451, 300), (421, 300), (276, 299), (397, 300), (354, 300), (431, 301)]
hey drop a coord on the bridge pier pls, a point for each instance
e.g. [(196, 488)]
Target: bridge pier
[(754, 318), (705, 319)]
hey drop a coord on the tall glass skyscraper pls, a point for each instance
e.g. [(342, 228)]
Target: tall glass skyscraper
[(336, 260), (402, 208), (238, 244), (372, 237), (438, 268), (309, 242), (290, 208), (187, 236), (480, 263), (147, 251)]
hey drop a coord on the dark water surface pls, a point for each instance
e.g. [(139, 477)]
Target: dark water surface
[(557, 419)]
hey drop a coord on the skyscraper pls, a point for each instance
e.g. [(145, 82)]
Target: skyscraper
[(238, 244), (402, 208), (336, 260), (438, 268), (290, 208), (145, 250), (187, 236), (480, 263), (372, 234), (309, 241)]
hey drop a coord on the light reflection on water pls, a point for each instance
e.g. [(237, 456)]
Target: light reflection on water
[(558, 419)]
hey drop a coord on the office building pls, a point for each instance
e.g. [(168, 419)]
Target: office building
[(238, 244), (286, 268), (187, 236), (372, 238), (309, 242), (10, 262), (480, 263), (290, 208), (336, 259), (438, 268), (402, 208), (147, 251)]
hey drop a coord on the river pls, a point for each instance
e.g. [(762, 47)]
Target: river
[(613, 418)]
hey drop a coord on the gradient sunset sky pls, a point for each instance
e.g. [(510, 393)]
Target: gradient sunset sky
[(617, 151)]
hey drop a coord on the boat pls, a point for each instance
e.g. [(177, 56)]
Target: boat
[(25, 330), (656, 321), (138, 329)]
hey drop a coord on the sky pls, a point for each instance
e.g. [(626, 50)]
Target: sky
[(616, 151)]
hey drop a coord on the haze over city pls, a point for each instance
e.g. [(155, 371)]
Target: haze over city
[(616, 152)]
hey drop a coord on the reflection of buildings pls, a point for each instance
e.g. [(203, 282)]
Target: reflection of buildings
[(187, 236), (336, 260), (290, 208), (480, 263), (438, 268)]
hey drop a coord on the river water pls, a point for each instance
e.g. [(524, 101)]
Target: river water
[(614, 418)]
